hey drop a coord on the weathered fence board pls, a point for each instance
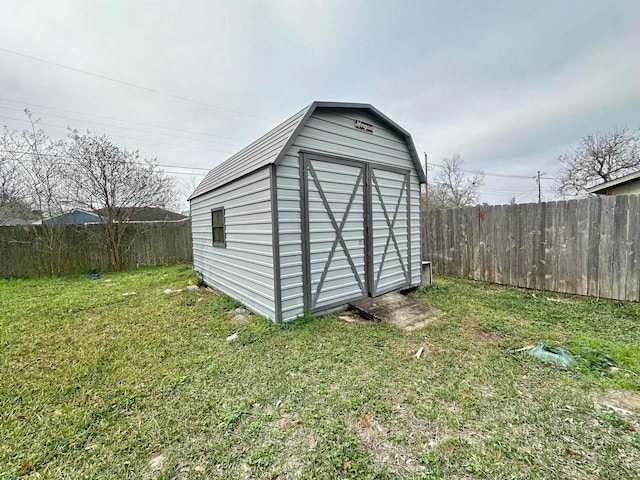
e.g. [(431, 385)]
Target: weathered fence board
[(586, 247), (26, 251)]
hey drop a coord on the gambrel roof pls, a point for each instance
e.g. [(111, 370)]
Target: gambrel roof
[(273, 146)]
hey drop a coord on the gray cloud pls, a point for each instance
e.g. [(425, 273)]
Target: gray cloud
[(509, 86)]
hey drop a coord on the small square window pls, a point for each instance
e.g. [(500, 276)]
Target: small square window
[(217, 226)]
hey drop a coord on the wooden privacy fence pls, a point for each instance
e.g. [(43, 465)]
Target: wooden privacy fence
[(586, 247), (42, 250)]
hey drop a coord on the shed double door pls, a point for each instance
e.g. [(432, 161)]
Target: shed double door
[(356, 230)]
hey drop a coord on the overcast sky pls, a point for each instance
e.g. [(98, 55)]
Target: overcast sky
[(507, 85)]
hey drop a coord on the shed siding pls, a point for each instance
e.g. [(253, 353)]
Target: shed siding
[(332, 131), (244, 269), (290, 229), (630, 188)]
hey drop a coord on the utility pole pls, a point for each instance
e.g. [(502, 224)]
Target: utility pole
[(538, 178), (426, 182)]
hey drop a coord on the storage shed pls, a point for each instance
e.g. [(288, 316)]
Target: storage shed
[(322, 210)]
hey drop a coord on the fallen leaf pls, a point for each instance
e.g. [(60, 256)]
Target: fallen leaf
[(466, 395), (287, 426), (199, 468), (568, 451), (26, 465), (498, 455), (435, 365), (346, 465), (365, 420), (315, 437), (450, 452)]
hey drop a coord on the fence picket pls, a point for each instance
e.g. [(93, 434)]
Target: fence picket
[(589, 246), (81, 248)]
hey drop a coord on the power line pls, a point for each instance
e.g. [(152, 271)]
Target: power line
[(489, 189), (524, 195), (189, 168), (121, 120), (63, 156), (185, 173), (124, 128), (494, 174), (490, 174), (129, 84), (128, 138)]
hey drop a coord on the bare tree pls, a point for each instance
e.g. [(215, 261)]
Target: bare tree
[(10, 186), (35, 162), (36, 158), (114, 181), (186, 186), (452, 187), (598, 158)]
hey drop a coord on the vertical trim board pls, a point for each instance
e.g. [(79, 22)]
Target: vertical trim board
[(275, 240)]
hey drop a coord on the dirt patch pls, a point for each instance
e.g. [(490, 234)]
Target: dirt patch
[(566, 301), (433, 315), (239, 316), (350, 317), (621, 399), (393, 446), (374, 439), (431, 432), (487, 333), (299, 434)]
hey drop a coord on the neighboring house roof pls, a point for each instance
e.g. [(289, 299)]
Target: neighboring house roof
[(603, 187), (273, 146), (77, 215), (148, 214), (15, 221)]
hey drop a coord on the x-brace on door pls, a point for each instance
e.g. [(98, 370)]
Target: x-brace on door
[(355, 230)]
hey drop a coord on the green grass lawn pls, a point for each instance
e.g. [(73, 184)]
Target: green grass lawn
[(94, 384)]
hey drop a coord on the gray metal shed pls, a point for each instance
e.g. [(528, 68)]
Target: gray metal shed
[(322, 210)]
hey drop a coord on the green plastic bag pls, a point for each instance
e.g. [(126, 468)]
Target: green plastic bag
[(559, 356)]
